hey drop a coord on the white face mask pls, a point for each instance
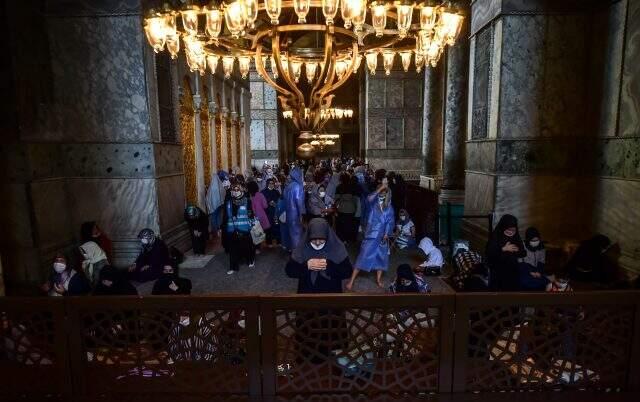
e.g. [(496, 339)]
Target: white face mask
[(144, 241), (184, 321), (322, 193), (269, 172), (402, 217), (226, 184), (236, 194), (59, 267), (534, 243), (318, 247), (259, 179)]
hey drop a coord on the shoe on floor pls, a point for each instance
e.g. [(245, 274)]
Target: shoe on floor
[(231, 272)]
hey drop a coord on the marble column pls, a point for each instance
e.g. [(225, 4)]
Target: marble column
[(213, 110), (197, 104), (224, 115), (432, 129), (455, 113)]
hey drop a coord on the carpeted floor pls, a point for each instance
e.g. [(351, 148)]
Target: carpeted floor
[(268, 276)]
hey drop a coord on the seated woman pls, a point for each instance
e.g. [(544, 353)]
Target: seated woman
[(588, 263), (65, 281), (433, 258), (503, 250), (320, 262), (113, 283), (408, 282), (94, 259), (405, 231), (154, 256), (90, 231), (469, 273), (171, 284), (531, 266)]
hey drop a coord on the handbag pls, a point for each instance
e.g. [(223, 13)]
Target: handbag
[(257, 233)]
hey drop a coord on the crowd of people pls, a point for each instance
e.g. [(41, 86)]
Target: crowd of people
[(312, 212)]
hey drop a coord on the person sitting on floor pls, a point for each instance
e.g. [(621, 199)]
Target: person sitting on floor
[(434, 261), (589, 263), (152, 258), (531, 266), (408, 282), (171, 284), (113, 283), (405, 231), (470, 273), (65, 281)]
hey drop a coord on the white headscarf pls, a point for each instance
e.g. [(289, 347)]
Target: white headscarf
[(92, 254), (215, 194), (434, 256)]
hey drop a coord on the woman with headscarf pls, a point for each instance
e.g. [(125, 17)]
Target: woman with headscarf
[(272, 195), (319, 202), (405, 230), (408, 282), (152, 258), (65, 281), (532, 265), (503, 250), (90, 231), (294, 204), (347, 202), (433, 261), (198, 228), (374, 250), (588, 263), (237, 229), (320, 262), (171, 284), (94, 259), (113, 283), (216, 193), (259, 205)]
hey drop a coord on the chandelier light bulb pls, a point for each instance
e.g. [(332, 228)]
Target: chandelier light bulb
[(427, 17), (358, 14), (214, 22), (388, 57), (451, 23), (194, 51), (405, 56), (330, 9), (173, 45), (404, 12), (372, 62), (346, 10), (296, 67), (358, 61), (155, 30), (227, 65), (212, 62), (419, 60), (379, 18), (251, 7), (190, 20), (301, 7), (310, 70), (235, 15), (274, 69), (273, 7), (244, 62), (341, 68), (170, 24)]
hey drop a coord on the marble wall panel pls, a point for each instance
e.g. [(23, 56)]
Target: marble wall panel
[(565, 76), (271, 134), (479, 193), (168, 159), (257, 95), (613, 216), (556, 156), (522, 85), (481, 73), (265, 114), (171, 201), (412, 132), (412, 90), (270, 97), (394, 93), (52, 214), (376, 132), (98, 81), (619, 157), (483, 12), (376, 89), (630, 92), (394, 132), (481, 156), (256, 131), (122, 206)]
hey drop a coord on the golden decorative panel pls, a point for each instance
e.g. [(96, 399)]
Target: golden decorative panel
[(218, 123), (238, 127), (187, 134), (206, 137), (229, 139)]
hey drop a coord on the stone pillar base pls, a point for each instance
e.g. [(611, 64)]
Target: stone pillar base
[(432, 183), (450, 196)]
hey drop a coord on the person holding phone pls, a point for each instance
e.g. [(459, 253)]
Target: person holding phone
[(504, 249), (320, 261)]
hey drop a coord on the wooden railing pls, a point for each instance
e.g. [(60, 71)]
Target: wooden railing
[(284, 346)]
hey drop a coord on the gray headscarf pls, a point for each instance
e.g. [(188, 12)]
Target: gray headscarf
[(333, 250)]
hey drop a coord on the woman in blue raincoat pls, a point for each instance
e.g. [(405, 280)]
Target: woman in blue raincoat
[(294, 204), (374, 251)]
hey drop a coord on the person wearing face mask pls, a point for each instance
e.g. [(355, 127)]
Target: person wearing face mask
[(152, 258), (198, 228), (405, 231), (504, 249), (94, 259), (65, 281), (90, 231), (112, 283), (320, 262), (237, 229), (434, 261), (259, 205), (374, 250), (171, 284), (532, 265), (408, 282), (272, 195), (295, 206), (318, 202), (259, 179)]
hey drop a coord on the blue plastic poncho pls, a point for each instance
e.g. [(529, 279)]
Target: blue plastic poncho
[(374, 252), (294, 203)]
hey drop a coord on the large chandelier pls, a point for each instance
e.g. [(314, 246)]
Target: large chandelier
[(305, 49)]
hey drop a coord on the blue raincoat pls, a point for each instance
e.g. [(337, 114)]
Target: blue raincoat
[(374, 252), (294, 204)]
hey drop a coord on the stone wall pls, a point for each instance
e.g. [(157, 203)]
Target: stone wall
[(393, 121), (264, 122)]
